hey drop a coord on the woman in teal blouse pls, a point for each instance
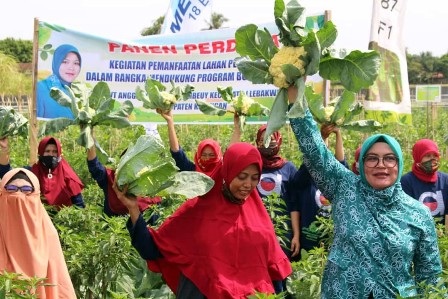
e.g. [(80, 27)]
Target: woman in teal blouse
[(384, 241)]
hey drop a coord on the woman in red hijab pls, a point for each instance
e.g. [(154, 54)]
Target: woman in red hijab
[(355, 164), (208, 156), (277, 177), (29, 242), (220, 245), (424, 182), (59, 184)]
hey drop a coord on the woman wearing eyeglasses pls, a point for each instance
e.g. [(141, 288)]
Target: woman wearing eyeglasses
[(385, 241), (29, 242), (425, 183)]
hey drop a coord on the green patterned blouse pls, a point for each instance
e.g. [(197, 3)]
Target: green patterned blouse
[(384, 241)]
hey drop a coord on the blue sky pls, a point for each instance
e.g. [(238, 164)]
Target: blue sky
[(425, 23)]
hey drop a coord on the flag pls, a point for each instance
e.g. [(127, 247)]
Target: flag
[(185, 16), (388, 99)]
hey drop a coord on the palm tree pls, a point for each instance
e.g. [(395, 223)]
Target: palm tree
[(155, 28), (216, 21)]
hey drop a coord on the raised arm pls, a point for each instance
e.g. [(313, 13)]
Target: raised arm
[(4, 151), (172, 136), (325, 131), (325, 169), (236, 135)]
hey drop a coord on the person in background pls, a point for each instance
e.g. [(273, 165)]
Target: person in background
[(355, 164), (29, 242), (308, 199), (208, 156), (219, 245), (425, 183), (385, 242), (276, 177), (59, 184), (66, 66), (105, 178)]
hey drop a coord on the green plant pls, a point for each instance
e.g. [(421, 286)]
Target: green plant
[(242, 105), (14, 285), (155, 96), (259, 65)]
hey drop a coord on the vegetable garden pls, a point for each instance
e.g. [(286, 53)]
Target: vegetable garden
[(99, 256)]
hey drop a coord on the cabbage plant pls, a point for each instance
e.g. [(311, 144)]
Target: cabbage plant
[(12, 123), (150, 171), (242, 105)]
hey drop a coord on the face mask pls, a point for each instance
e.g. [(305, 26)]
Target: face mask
[(430, 166), (268, 151), (49, 161)]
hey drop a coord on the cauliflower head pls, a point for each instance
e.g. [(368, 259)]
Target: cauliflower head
[(168, 101), (242, 104), (328, 112), (286, 55)]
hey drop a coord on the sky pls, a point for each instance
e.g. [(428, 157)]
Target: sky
[(425, 24)]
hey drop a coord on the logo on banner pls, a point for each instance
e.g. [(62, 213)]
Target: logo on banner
[(434, 201)]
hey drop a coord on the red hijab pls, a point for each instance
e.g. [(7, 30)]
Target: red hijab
[(227, 250), (116, 205), (355, 165), (208, 166), (62, 184), (419, 150), (274, 161)]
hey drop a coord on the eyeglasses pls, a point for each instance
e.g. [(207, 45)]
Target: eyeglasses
[(23, 189), (372, 161)]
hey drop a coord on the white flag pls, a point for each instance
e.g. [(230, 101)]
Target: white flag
[(185, 16), (390, 92)]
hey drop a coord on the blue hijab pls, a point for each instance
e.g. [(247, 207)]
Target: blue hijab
[(394, 145), (58, 57)]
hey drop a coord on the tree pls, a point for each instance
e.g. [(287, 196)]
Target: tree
[(12, 81), (216, 21), (21, 50), (155, 28)]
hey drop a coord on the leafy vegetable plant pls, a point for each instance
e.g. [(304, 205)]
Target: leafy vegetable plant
[(12, 123), (304, 52), (90, 108), (149, 171), (242, 105), (339, 112), (155, 96)]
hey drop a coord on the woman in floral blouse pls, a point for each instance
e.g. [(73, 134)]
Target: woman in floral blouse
[(384, 241)]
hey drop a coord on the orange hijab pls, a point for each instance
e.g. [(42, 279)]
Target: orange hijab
[(29, 243)]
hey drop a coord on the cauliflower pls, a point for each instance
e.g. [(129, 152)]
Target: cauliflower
[(286, 55), (242, 104), (328, 112)]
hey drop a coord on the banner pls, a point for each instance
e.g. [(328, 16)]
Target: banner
[(204, 60), (389, 98), (186, 16)]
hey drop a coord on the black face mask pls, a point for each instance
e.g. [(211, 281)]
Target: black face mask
[(49, 161), (268, 151)]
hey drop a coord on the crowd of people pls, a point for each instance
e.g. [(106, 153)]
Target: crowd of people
[(224, 244)]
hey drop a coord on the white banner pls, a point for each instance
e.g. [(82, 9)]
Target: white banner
[(390, 93), (185, 16)]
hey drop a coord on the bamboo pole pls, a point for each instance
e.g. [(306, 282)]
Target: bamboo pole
[(32, 106)]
